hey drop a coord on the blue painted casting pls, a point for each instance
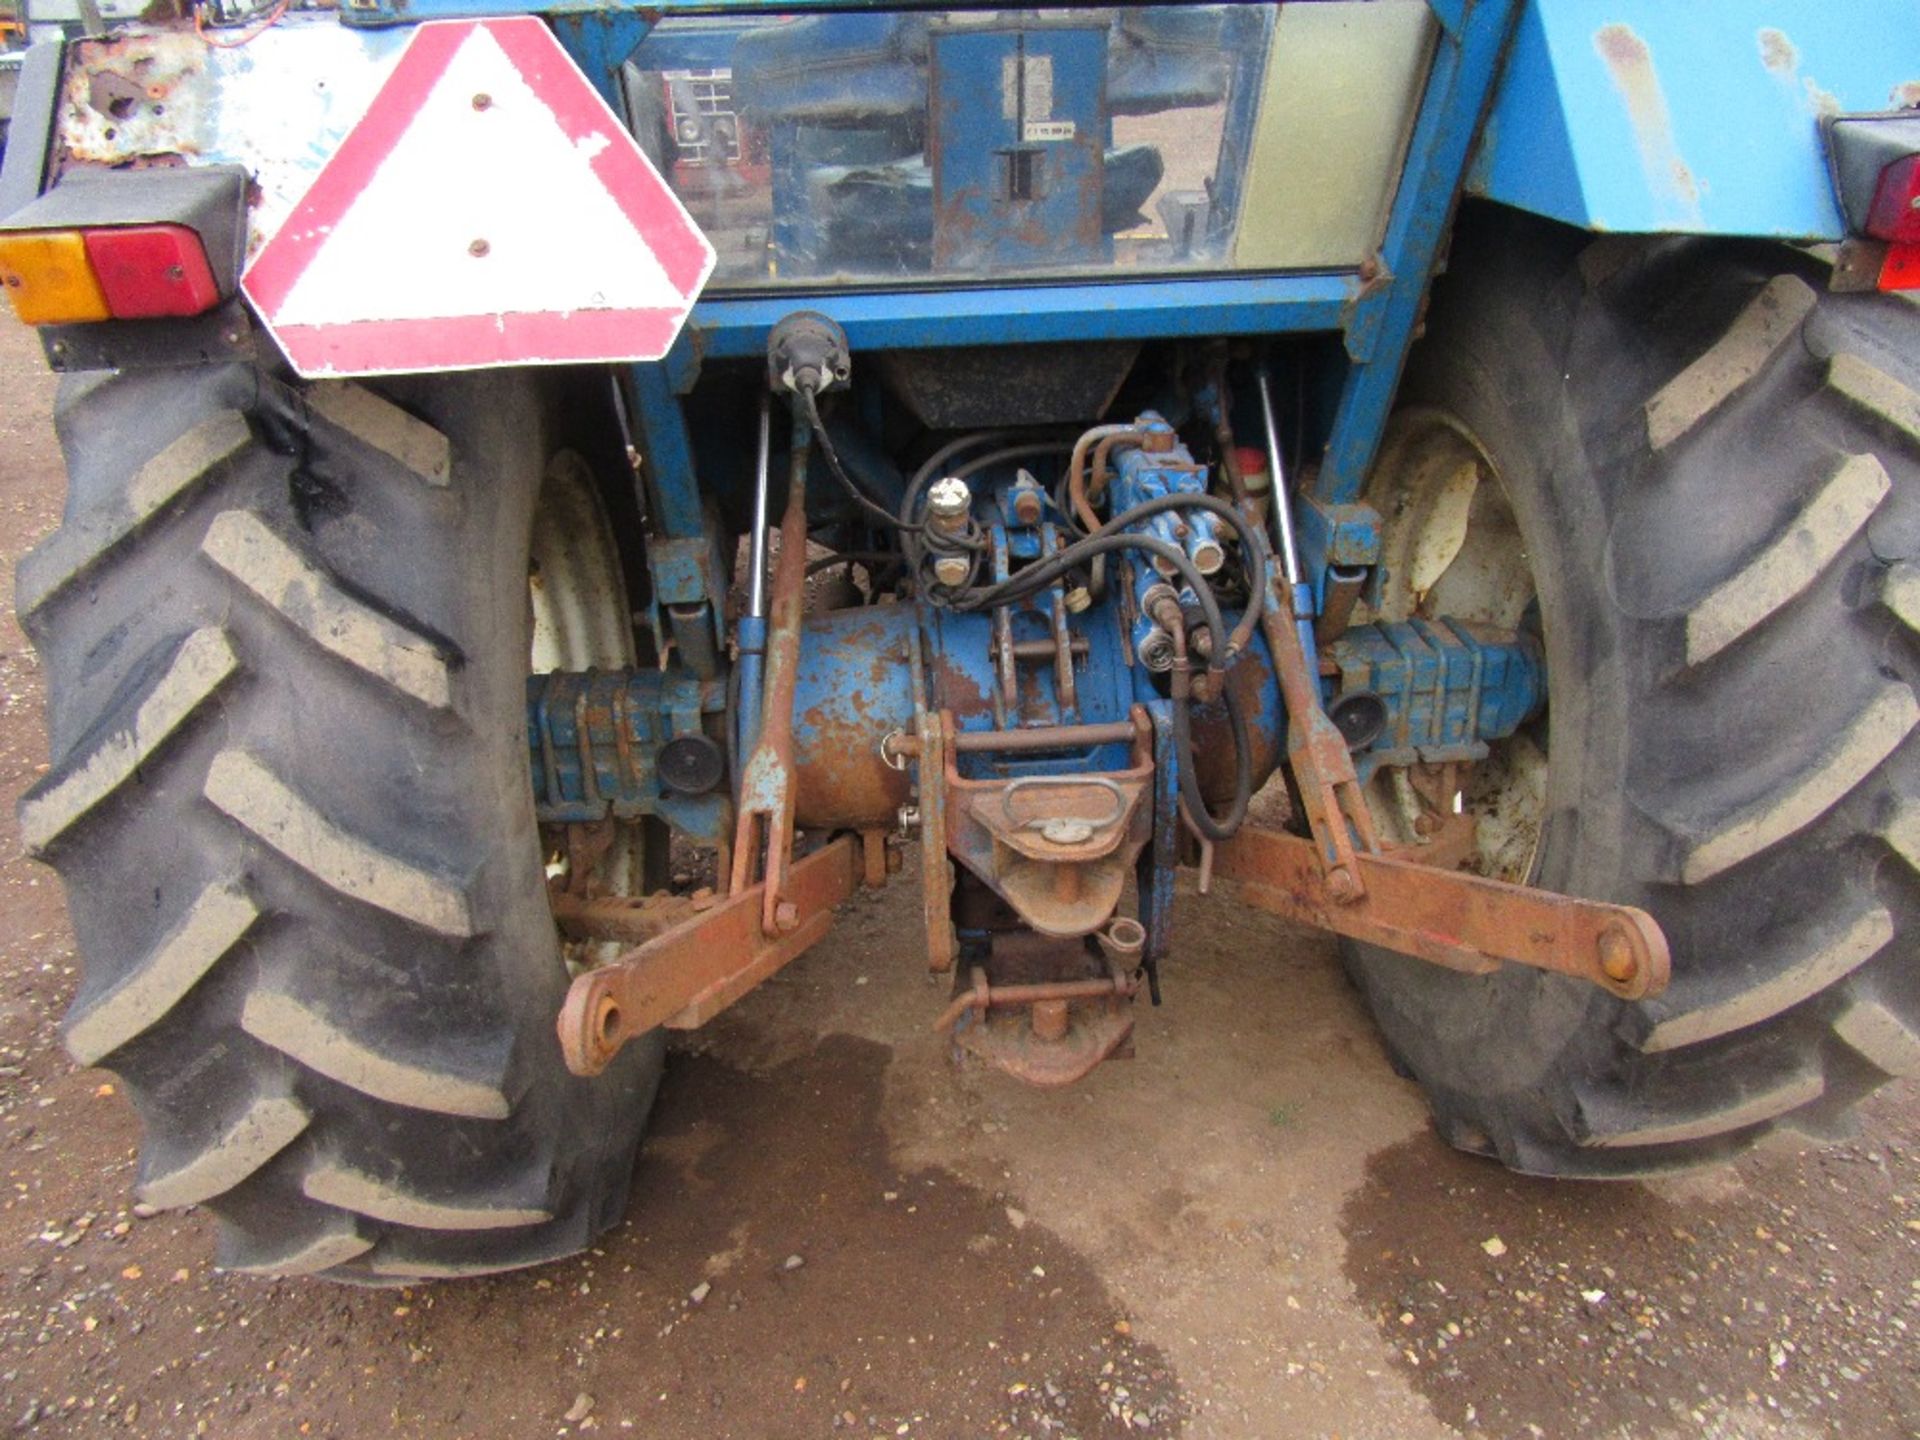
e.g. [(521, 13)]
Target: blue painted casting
[(594, 740), (1449, 687)]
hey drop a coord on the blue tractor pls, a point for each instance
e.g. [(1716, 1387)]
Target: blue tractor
[(1443, 471)]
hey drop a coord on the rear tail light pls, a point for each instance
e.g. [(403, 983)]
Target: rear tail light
[(1895, 218), (49, 279), (1876, 177), (123, 272), (1895, 213), (1901, 269), (147, 271)]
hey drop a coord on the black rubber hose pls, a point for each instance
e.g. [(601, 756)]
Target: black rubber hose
[(1253, 551), (931, 466), (860, 497), (909, 502), (1011, 452), (1204, 821), (913, 533), (1254, 554), (1038, 576)]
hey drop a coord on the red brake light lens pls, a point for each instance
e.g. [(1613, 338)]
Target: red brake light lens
[(1901, 269), (149, 271), (1895, 216)]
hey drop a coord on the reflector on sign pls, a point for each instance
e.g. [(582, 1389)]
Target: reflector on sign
[(488, 209)]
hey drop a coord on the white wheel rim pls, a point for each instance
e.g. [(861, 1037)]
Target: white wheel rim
[(1450, 545), (581, 621)]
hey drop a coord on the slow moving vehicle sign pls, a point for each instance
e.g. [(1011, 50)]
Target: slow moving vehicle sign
[(489, 209)]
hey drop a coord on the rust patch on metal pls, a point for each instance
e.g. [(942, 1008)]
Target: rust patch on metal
[(1777, 52), (840, 778), (1045, 1012), (1450, 917), (1630, 64), (954, 689), (1821, 102), (689, 973), (133, 99)]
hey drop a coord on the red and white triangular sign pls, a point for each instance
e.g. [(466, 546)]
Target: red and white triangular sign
[(488, 209)]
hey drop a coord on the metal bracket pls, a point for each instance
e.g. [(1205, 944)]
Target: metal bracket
[(1329, 789), (1062, 867), (689, 973), (1450, 917), (936, 875)]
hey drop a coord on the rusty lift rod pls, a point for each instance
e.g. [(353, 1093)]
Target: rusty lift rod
[(1336, 811)]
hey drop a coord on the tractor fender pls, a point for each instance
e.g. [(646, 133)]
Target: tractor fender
[(1645, 116)]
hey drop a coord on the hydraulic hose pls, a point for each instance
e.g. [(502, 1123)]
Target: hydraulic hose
[(1043, 573), (1203, 820), (1077, 467), (1253, 550), (931, 466), (860, 497), (1212, 827), (934, 462), (914, 534)]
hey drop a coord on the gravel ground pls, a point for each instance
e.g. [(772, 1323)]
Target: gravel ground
[(1248, 1230)]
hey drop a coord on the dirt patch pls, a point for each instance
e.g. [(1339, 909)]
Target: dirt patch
[(784, 1279), (1786, 1287)]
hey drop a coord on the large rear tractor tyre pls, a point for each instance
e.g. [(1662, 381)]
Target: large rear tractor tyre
[(1698, 473), (286, 635)]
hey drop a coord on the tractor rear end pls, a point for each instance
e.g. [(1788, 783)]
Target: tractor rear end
[(848, 441)]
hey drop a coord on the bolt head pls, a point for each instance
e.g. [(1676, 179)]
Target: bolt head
[(786, 917), (1341, 885), (1065, 830), (949, 498), (951, 570), (1617, 960)]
